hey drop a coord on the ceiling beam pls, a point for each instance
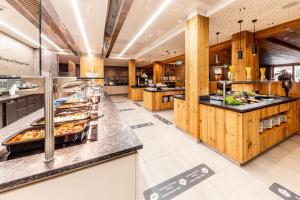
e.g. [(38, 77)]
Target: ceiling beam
[(34, 19), (281, 28), (61, 32), (283, 44), (117, 13)]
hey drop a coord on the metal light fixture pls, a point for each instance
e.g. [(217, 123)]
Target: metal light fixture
[(240, 52), (217, 55), (254, 47)]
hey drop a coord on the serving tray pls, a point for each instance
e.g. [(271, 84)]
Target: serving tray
[(41, 121), (27, 145)]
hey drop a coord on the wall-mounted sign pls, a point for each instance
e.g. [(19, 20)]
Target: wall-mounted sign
[(12, 60)]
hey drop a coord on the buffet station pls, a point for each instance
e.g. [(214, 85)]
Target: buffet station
[(241, 125), (160, 97), (91, 144)]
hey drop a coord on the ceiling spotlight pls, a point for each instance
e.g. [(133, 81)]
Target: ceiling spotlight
[(242, 9), (2, 8)]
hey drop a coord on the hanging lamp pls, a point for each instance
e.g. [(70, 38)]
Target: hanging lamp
[(254, 47), (240, 52), (217, 55)]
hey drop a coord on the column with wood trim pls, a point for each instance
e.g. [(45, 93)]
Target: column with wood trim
[(196, 69), (248, 60), (92, 66), (158, 71), (131, 76)]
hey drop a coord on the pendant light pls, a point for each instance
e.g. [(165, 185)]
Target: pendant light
[(240, 52), (217, 55), (254, 47)]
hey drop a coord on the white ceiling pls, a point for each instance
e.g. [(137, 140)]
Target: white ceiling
[(168, 34), (175, 14), (14, 19), (93, 13)]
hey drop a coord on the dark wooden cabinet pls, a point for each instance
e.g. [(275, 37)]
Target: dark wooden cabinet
[(11, 112), (16, 109)]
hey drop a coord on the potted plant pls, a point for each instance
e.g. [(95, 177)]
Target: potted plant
[(286, 79)]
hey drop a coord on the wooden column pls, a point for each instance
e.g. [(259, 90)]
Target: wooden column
[(196, 69), (131, 76), (92, 66), (248, 60), (158, 71)]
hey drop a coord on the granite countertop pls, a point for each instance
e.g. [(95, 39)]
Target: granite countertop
[(165, 90), (138, 86), (115, 139), (249, 107), (180, 96)]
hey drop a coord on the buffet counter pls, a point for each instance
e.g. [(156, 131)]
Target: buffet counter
[(243, 132), (136, 92), (79, 171), (155, 100), (116, 89)]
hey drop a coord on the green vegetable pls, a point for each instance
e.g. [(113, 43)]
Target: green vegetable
[(230, 100)]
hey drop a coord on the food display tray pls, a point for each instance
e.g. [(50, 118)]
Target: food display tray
[(38, 122), (40, 143)]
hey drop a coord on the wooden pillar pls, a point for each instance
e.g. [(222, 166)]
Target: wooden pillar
[(158, 72), (131, 76), (249, 60), (92, 66), (196, 69)]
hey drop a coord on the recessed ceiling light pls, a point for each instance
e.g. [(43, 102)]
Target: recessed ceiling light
[(242, 9), (81, 26), (53, 44), (2, 7), (146, 25), (19, 33), (290, 4), (286, 38)]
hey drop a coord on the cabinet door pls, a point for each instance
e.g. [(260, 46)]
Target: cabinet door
[(38, 102), (1, 115), (22, 112), (11, 112)]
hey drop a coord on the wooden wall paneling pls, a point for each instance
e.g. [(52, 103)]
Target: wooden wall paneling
[(180, 114), (71, 68), (92, 64), (197, 69), (248, 60), (131, 76), (279, 91), (158, 72)]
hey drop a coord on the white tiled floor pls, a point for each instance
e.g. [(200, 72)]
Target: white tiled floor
[(168, 152)]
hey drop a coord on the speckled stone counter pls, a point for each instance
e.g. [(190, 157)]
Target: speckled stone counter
[(179, 96), (115, 139)]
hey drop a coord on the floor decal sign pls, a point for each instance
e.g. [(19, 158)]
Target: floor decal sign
[(141, 125), (137, 104), (162, 119), (178, 184), (284, 192), (118, 101), (126, 109)]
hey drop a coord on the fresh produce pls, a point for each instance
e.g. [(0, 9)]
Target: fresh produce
[(232, 101)]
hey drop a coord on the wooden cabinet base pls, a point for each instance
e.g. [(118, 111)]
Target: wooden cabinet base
[(180, 114), (154, 101), (136, 94), (237, 134)]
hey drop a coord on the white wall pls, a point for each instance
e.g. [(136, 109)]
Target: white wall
[(14, 50)]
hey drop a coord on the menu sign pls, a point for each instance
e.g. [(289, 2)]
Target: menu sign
[(13, 60)]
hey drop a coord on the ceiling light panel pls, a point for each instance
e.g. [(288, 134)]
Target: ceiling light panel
[(146, 25), (81, 25)]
